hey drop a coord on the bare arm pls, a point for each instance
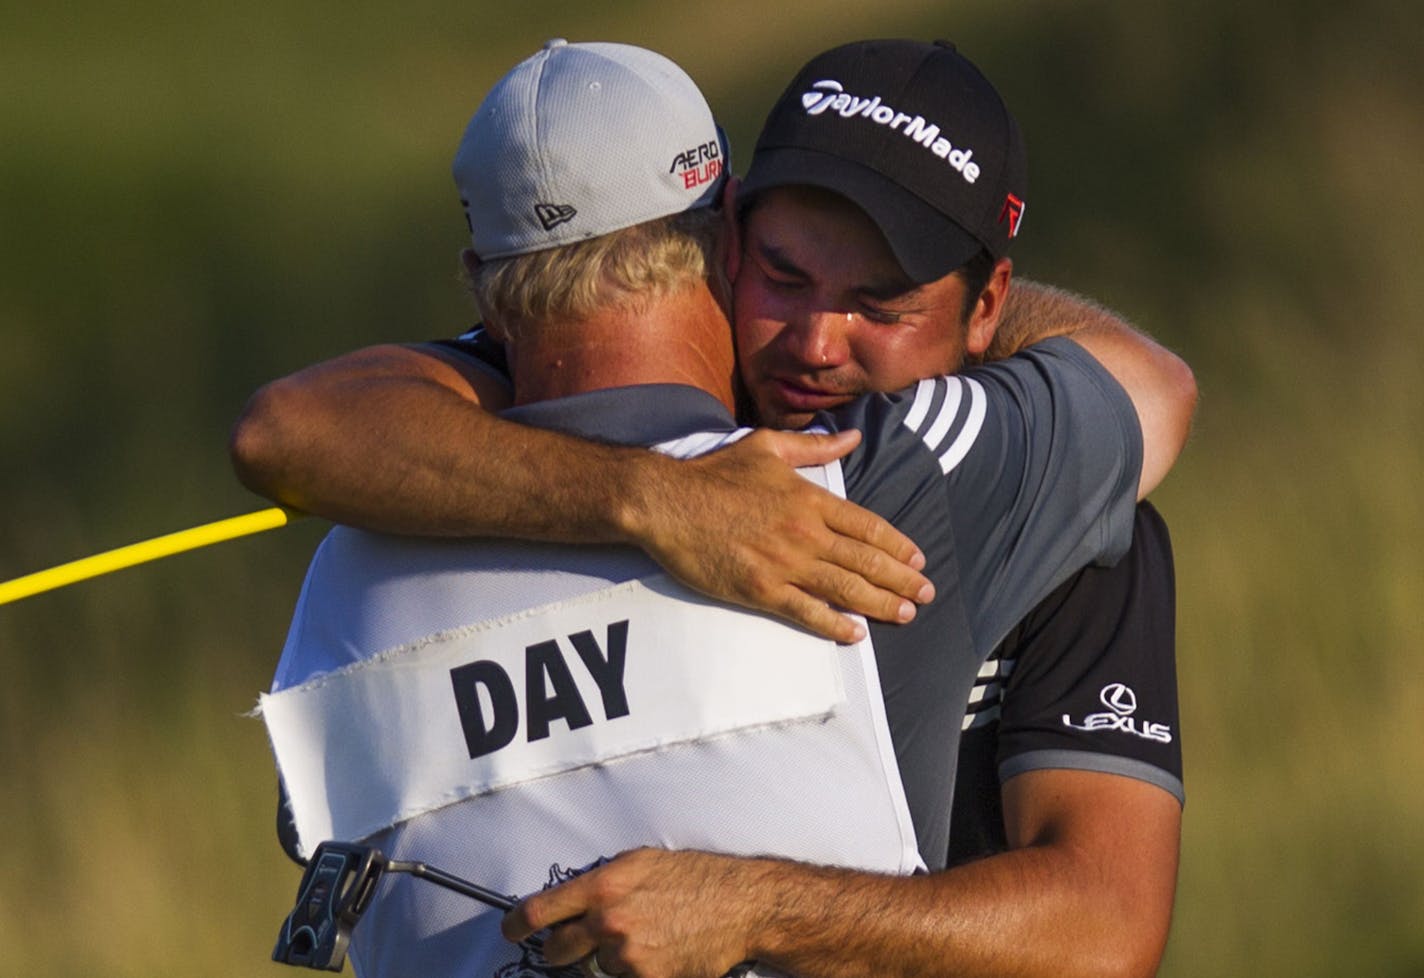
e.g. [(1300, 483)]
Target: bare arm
[(375, 438), (1159, 382), (400, 439), (1087, 890)]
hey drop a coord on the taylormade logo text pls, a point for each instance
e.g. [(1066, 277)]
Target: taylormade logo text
[(831, 96)]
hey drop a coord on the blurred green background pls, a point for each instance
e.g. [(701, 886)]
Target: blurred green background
[(195, 198)]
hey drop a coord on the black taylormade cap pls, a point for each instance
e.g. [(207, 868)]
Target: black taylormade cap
[(914, 135)]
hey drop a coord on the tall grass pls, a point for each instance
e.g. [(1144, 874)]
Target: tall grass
[(192, 202), (1298, 544)]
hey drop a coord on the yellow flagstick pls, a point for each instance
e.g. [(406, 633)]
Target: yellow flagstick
[(144, 551)]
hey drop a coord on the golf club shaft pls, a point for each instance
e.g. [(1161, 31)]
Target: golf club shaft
[(144, 551)]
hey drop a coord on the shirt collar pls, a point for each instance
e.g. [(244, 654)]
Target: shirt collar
[(645, 414)]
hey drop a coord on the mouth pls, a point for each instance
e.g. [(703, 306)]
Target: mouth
[(800, 396)]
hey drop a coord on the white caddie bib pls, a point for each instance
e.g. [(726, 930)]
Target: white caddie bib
[(635, 667), (514, 747)]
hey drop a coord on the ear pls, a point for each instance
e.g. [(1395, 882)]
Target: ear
[(472, 263), (470, 260), (984, 320), (732, 231)]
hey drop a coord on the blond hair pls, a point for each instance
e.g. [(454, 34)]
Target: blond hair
[(620, 269)]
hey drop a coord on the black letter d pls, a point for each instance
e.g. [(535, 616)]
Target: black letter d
[(482, 739)]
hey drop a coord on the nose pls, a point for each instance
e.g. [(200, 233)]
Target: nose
[(819, 339)]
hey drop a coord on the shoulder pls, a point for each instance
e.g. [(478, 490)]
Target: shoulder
[(939, 418), (1049, 407), (1138, 587), (1105, 628), (1055, 384), (477, 346)]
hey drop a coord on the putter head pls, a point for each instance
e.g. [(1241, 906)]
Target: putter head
[(335, 890)]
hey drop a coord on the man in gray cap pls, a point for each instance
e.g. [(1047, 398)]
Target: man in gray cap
[(513, 712), (948, 421)]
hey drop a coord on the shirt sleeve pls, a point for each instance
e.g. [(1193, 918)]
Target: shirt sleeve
[(1103, 630), (1038, 457), (1090, 675), (1050, 484)]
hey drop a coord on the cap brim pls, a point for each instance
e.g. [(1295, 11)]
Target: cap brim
[(927, 244)]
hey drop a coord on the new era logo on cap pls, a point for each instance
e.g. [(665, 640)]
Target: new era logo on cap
[(552, 215)]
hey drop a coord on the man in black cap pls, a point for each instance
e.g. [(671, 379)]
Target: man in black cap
[(834, 298), (885, 189)]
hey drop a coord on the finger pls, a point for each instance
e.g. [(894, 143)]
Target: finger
[(849, 592), (570, 942), (859, 523), (798, 448), (852, 572), (543, 910), (814, 615), (574, 940), (515, 925)]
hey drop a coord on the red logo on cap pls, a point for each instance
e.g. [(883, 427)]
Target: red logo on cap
[(699, 165), (1013, 210)]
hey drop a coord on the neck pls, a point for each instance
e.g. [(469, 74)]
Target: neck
[(683, 338)]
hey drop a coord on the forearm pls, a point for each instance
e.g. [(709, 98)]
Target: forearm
[(510, 481), (1160, 384), (399, 440), (394, 440), (661, 914), (1034, 312), (1085, 888), (1028, 912)]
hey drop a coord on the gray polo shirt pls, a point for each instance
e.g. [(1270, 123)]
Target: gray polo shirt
[(1009, 477)]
